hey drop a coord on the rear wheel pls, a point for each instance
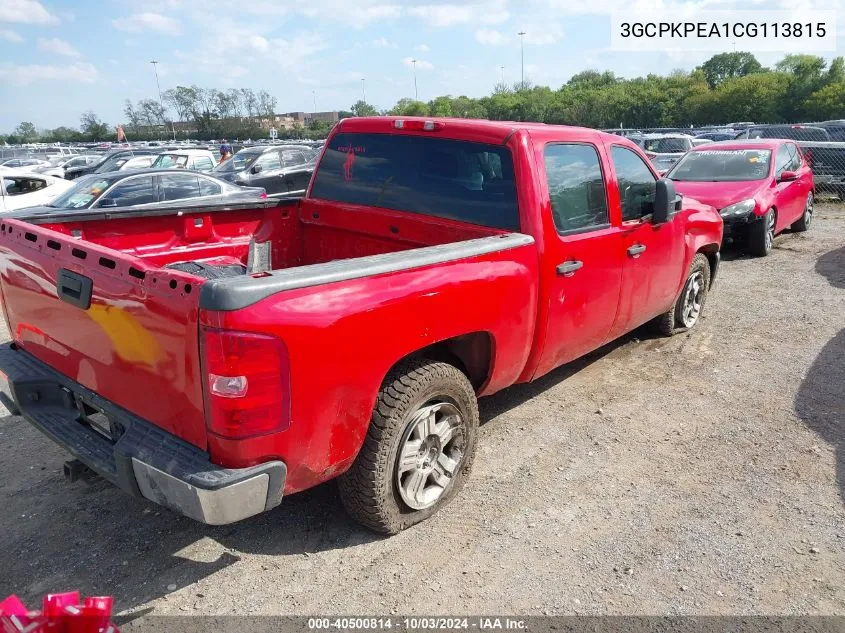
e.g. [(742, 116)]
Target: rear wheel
[(761, 235), (803, 223), (418, 450), (690, 303)]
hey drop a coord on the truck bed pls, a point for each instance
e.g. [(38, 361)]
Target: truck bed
[(300, 233), (140, 324)]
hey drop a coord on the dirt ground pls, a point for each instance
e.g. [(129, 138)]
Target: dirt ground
[(703, 474)]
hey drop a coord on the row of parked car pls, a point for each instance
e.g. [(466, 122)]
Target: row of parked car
[(142, 176), (822, 145)]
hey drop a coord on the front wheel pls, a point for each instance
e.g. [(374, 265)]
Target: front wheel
[(688, 307), (418, 450), (761, 235), (803, 223)]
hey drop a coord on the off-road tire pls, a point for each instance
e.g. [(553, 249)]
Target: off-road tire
[(368, 489)]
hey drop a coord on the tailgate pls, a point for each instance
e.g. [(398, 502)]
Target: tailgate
[(122, 329)]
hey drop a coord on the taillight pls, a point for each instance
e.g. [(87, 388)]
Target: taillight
[(263, 195), (808, 156), (247, 384)]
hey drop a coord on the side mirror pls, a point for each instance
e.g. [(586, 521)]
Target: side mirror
[(664, 201), (107, 203), (787, 176), (256, 169)]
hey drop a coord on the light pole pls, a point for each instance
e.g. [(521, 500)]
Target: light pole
[(314, 94), (522, 58), (502, 68), (160, 103), (416, 94), (363, 89)]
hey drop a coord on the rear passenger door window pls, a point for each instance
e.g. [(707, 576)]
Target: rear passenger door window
[(132, 192), (270, 162), (291, 157), (209, 187), (179, 186), (576, 187), (636, 182)]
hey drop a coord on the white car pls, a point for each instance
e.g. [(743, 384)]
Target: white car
[(194, 159), (20, 189), (664, 150), (58, 167)]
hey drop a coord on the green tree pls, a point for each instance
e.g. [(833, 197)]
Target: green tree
[(441, 106), (836, 71), (93, 128), (409, 107), (26, 132), (182, 99), (362, 108), (827, 103), (725, 66)]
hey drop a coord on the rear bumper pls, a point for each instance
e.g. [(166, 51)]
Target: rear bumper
[(142, 459)]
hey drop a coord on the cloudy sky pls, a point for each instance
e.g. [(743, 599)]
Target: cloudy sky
[(59, 58)]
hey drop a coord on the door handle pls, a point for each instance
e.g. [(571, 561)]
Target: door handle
[(567, 269), (636, 250)]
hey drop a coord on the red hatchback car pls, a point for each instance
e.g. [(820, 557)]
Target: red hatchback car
[(759, 186)]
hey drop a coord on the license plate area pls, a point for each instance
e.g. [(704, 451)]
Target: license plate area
[(94, 417)]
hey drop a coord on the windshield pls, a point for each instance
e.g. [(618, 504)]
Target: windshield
[(726, 165), (793, 133), (84, 193), (111, 164), (238, 162), (460, 180), (171, 160), (665, 145)]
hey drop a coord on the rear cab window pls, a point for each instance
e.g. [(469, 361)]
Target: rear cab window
[(457, 180)]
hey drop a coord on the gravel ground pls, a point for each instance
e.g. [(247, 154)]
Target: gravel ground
[(703, 474)]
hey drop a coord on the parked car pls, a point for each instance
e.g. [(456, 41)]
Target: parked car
[(194, 159), (452, 243), (716, 136), (108, 162), (792, 132), (760, 187), (148, 187), (23, 188), (835, 129), (21, 162), (825, 156), (283, 170), (827, 160), (59, 168), (664, 150)]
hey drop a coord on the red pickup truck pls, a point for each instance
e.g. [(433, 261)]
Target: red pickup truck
[(215, 359)]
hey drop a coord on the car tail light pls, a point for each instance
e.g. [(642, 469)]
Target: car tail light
[(808, 156), (247, 383), (425, 126), (263, 195)]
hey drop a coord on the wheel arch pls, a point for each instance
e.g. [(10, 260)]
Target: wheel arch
[(711, 252), (471, 353)]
